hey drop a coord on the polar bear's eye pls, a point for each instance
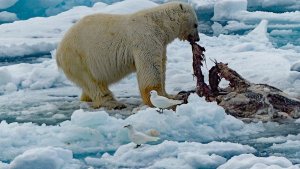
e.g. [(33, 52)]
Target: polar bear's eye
[(195, 25)]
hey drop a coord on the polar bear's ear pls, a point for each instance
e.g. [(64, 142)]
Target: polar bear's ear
[(181, 7)]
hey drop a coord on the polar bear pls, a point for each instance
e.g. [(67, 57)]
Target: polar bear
[(101, 49)]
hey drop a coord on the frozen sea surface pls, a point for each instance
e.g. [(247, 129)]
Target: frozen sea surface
[(43, 123)]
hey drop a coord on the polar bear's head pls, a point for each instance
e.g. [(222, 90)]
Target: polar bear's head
[(188, 23)]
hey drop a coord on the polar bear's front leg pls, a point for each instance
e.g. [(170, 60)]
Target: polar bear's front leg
[(150, 76), (145, 93), (163, 74)]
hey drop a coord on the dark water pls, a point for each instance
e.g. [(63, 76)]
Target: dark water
[(33, 58), (39, 117), (271, 130), (282, 40)]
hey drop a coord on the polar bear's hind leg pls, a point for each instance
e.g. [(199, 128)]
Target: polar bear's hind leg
[(85, 98), (94, 91)]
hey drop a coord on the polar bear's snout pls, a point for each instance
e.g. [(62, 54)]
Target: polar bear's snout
[(194, 34), (194, 38)]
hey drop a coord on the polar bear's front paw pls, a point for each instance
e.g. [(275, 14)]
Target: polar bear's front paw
[(174, 97), (114, 105), (109, 105)]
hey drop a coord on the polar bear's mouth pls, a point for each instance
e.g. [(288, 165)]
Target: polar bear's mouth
[(193, 39)]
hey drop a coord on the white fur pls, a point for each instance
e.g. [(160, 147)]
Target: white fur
[(101, 49)]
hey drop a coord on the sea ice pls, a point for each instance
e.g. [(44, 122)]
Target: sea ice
[(8, 16), (191, 136), (7, 3), (249, 161), (228, 9), (183, 154), (18, 39), (296, 67), (46, 158), (93, 131)]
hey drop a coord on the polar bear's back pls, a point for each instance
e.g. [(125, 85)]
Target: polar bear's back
[(95, 27), (98, 41)]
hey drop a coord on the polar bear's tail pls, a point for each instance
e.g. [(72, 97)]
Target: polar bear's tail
[(58, 58)]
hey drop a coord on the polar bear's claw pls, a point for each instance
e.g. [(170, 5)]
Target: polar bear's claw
[(110, 105)]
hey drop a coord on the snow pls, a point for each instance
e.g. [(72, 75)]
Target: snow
[(37, 76), (19, 39), (296, 67), (202, 3), (7, 3), (237, 10), (7, 16), (43, 123), (227, 9), (281, 32), (240, 16), (48, 31), (289, 145), (260, 34), (244, 53), (285, 5), (279, 139), (46, 158), (26, 48), (168, 153), (92, 131), (212, 122), (249, 161)]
